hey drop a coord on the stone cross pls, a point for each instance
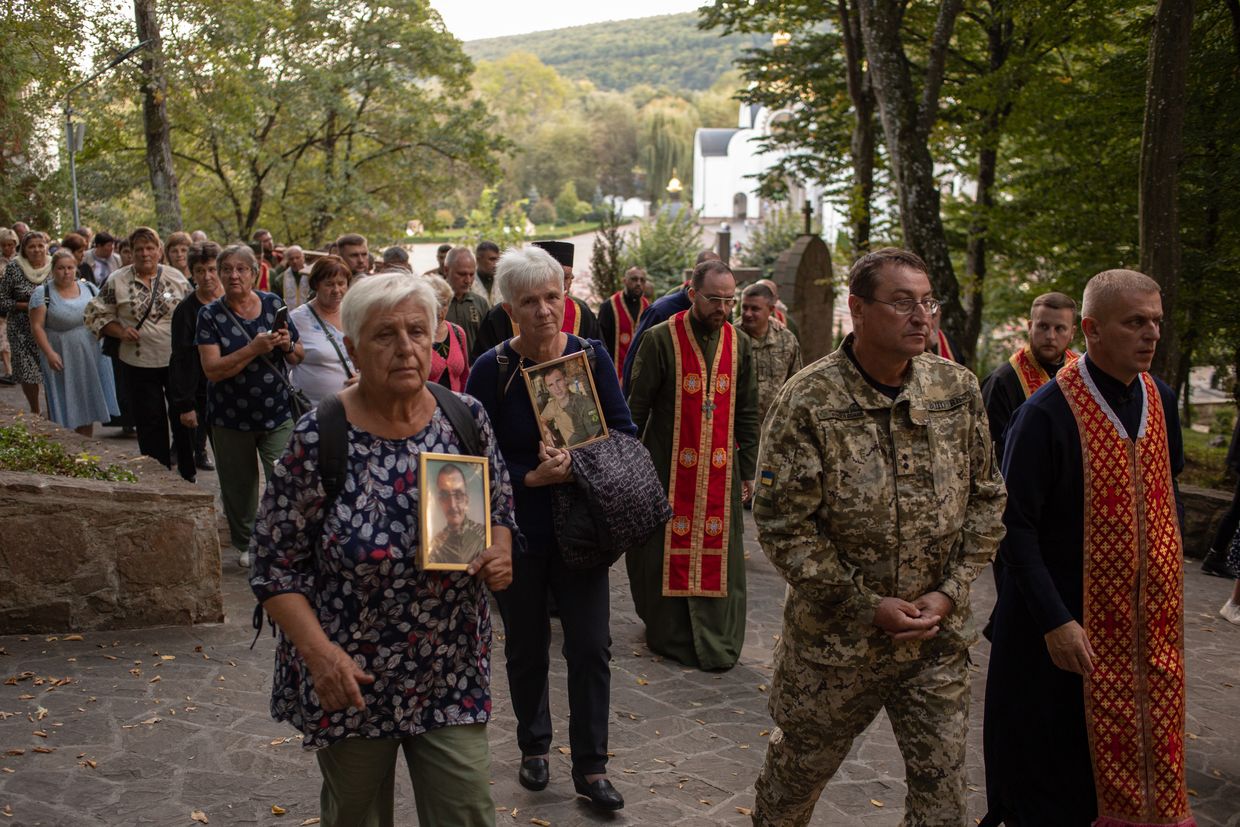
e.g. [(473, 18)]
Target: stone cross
[(808, 210)]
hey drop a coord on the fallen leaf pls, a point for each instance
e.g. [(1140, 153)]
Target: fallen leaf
[(93, 764), (40, 733), (149, 721), (9, 770), (14, 752), (764, 733), (111, 657), (876, 802), (277, 810), (563, 750), (44, 750), (25, 697), (41, 713), (761, 687), (643, 682), (309, 822), (540, 822), (155, 679), (167, 657), (1192, 792), (704, 801), (745, 811), (73, 637), (200, 817)]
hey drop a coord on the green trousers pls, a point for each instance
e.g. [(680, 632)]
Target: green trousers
[(450, 768), (235, 454)]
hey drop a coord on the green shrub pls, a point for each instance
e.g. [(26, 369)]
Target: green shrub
[(543, 212), (21, 450)]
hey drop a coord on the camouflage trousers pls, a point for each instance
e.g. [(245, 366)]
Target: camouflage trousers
[(819, 710)]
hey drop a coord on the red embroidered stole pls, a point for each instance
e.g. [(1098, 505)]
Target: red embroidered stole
[(695, 546), (945, 349), (625, 326), (1030, 371), (571, 323), (1134, 613)]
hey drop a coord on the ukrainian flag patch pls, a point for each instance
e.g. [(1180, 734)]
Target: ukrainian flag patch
[(767, 478)]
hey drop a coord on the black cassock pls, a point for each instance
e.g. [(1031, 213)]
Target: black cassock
[(497, 327), (1038, 767)]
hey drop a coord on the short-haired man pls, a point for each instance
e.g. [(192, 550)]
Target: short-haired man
[(579, 320), (21, 228), (355, 251), (780, 313), (619, 316), (467, 309), (568, 415), (396, 259), (291, 279), (461, 539), (879, 502), (694, 398), (1084, 719), (486, 257), (441, 256), (1052, 320), (102, 258), (266, 246), (776, 352)]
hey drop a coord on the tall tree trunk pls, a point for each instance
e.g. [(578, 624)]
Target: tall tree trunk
[(1162, 139), (155, 120), (999, 44), (862, 146), (907, 119)]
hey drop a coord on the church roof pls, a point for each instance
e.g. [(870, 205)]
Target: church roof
[(715, 141)]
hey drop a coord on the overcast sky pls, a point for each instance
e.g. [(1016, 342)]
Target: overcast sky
[(477, 19)]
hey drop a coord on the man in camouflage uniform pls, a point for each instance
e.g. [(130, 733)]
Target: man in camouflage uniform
[(776, 352), (879, 502)]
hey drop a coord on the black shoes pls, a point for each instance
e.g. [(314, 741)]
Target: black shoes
[(204, 462), (1215, 564), (534, 774), (603, 796)]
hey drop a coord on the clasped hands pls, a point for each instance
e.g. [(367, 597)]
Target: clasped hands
[(918, 620), (555, 465)]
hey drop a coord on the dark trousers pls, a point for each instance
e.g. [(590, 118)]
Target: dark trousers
[(1227, 526), (151, 406), (125, 419), (187, 465), (585, 615)]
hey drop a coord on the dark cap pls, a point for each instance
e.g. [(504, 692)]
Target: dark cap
[(561, 251)]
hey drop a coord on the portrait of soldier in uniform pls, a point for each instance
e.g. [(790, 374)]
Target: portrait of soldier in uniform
[(454, 503), (566, 402)]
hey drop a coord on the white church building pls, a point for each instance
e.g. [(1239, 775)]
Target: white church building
[(726, 166)]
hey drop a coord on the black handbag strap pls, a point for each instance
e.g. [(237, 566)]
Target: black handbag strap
[(154, 293), (280, 374), (328, 333)]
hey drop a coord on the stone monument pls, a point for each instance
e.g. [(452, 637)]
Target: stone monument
[(804, 276)]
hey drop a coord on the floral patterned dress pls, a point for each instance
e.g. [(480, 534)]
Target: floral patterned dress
[(425, 636)]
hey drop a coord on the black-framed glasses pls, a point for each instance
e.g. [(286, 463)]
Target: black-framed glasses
[(905, 307)]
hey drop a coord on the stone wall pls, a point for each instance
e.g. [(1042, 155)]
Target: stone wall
[(1203, 508), (86, 554)]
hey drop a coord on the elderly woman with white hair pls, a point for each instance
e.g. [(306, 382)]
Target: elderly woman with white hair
[(532, 284), (376, 655)]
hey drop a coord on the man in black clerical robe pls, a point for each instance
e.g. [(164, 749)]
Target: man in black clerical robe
[(1039, 770)]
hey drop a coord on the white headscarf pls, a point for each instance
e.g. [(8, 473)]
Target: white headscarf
[(34, 275)]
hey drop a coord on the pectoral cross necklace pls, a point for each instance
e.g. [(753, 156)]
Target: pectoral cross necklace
[(708, 408)]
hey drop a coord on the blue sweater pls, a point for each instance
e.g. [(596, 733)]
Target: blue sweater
[(662, 310), (516, 428)]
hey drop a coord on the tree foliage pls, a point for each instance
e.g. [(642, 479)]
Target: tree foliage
[(664, 246)]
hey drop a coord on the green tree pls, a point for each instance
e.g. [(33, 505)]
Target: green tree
[(665, 246), (779, 229), (665, 143), (491, 221), (568, 206), (607, 257)]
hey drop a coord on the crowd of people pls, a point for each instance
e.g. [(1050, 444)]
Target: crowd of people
[(883, 480)]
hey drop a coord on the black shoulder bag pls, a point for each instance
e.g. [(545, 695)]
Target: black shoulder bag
[(297, 399)]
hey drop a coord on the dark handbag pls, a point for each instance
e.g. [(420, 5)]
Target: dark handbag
[(111, 344), (614, 503)]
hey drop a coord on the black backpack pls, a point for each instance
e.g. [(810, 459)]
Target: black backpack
[(334, 436)]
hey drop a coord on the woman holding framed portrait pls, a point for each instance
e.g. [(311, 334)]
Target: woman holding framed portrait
[(378, 653), (555, 367)]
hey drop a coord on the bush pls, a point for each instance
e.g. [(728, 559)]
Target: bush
[(444, 219), (568, 206), (779, 229), (665, 247), (543, 212), (22, 451)]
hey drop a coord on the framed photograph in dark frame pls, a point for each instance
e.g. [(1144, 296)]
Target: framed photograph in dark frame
[(566, 401)]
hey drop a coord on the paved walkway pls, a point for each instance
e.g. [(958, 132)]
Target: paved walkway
[(146, 727)]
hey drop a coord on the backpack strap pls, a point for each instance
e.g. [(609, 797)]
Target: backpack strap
[(333, 447), (459, 416), (502, 376), (585, 345)]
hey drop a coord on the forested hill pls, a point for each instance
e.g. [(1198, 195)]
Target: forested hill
[(667, 52)]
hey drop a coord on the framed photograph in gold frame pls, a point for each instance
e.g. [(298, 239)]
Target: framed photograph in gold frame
[(455, 506), (566, 401)]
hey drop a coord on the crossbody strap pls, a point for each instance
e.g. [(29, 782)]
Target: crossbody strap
[(328, 333), (262, 356), (154, 293)]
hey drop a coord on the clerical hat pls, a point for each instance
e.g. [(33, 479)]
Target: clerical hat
[(561, 251)]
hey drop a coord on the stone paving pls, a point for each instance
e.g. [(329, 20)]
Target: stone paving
[(146, 727)]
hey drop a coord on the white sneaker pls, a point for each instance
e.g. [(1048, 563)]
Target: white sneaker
[(1231, 612), (243, 559)]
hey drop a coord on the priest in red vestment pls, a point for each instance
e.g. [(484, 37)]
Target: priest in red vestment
[(621, 313), (1084, 719)]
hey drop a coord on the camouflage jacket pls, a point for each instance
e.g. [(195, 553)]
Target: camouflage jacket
[(861, 497), (777, 358)]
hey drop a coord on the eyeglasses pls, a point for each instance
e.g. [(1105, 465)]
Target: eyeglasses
[(905, 307), (722, 301)]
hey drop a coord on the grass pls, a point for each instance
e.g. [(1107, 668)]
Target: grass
[(21, 450), (1203, 465)]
